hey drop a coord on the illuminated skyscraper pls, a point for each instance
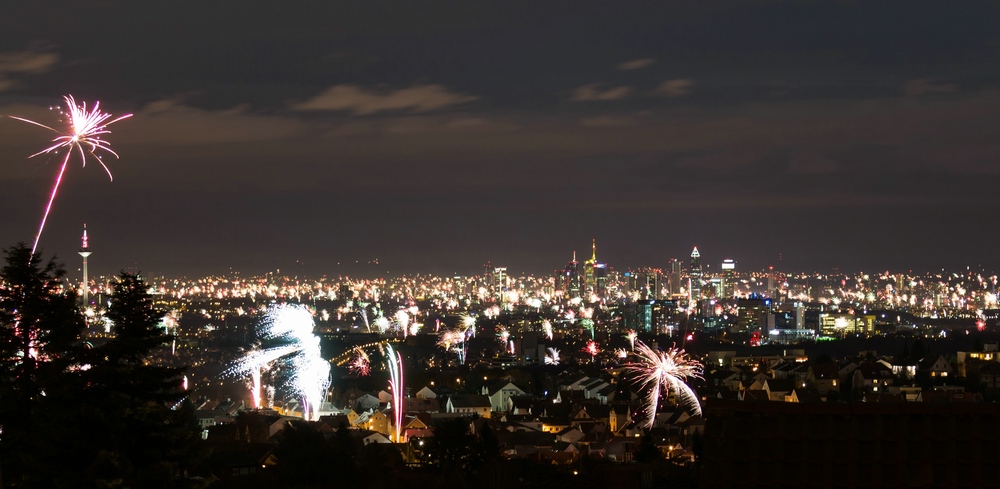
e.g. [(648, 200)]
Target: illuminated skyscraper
[(728, 278), (568, 279), (85, 252), (595, 274), (694, 274)]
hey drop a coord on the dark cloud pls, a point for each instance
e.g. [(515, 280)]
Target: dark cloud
[(439, 136)]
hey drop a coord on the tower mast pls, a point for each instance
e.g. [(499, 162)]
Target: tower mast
[(85, 252)]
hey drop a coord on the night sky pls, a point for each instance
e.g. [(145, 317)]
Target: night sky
[(314, 137)]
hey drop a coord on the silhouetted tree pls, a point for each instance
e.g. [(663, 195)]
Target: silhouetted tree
[(128, 411), (39, 326)]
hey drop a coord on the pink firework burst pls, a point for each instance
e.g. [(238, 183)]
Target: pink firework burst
[(660, 371), (85, 136), (360, 365)]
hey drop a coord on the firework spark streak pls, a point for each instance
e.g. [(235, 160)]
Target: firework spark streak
[(85, 136), (310, 373), (664, 371), (395, 362)]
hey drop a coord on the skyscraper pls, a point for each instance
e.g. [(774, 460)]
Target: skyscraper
[(595, 274), (675, 270), (694, 273), (568, 279), (728, 278)]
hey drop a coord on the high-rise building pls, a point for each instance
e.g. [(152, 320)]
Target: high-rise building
[(728, 278), (568, 279), (85, 253), (752, 313), (652, 316), (595, 275), (694, 274), (674, 278)]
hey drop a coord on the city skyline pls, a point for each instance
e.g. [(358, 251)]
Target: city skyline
[(324, 136)]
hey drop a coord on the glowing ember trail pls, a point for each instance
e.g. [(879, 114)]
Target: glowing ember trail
[(86, 129), (667, 371)]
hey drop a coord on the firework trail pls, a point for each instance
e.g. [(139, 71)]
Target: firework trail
[(552, 357), (360, 365), (364, 317), (85, 136), (621, 353), (665, 371), (395, 363), (310, 373)]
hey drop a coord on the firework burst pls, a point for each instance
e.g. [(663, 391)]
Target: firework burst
[(503, 335), (299, 352), (547, 328), (360, 364), (552, 357), (592, 349), (659, 371), (382, 324), (632, 335), (85, 136)]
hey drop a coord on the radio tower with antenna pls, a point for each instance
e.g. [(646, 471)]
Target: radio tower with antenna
[(85, 252)]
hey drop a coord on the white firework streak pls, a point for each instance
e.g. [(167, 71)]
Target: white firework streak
[(364, 316), (395, 363), (310, 373), (402, 320), (547, 328), (669, 370)]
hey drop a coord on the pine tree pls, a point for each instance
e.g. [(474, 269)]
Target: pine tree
[(39, 328), (133, 436)]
